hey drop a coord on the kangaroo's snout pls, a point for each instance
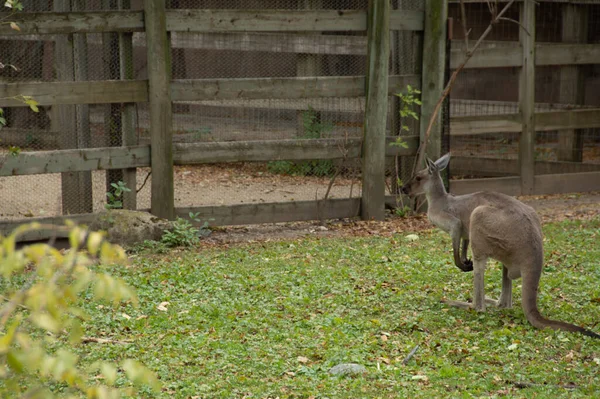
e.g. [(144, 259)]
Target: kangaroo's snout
[(405, 189)]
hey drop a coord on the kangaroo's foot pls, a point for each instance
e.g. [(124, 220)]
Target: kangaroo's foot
[(502, 303), (464, 305)]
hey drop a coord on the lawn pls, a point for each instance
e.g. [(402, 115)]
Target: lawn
[(268, 320)]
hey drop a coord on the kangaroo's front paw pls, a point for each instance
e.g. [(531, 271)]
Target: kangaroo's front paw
[(467, 266)]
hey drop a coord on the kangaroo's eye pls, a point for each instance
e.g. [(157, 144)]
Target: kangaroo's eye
[(418, 178)]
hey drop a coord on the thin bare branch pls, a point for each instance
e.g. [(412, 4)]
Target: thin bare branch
[(463, 22), (516, 22), (451, 81)]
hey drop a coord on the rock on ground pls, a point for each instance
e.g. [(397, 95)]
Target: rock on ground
[(126, 228)]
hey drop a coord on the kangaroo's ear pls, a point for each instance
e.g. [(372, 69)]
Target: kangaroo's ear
[(431, 166), (442, 163)]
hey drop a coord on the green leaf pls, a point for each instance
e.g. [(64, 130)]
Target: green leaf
[(109, 372)]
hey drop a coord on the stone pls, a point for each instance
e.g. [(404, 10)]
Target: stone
[(347, 369), (127, 227)]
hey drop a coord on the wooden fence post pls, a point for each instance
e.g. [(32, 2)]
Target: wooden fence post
[(128, 111), (572, 90), (527, 97), (434, 64), (76, 186), (161, 130), (373, 162)]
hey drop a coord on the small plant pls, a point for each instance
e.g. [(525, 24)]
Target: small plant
[(408, 100), (113, 199), (184, 234), (313, 128)]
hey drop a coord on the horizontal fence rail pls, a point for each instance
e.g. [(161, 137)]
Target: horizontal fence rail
[(105, 158), (116, 91), (205, 21)]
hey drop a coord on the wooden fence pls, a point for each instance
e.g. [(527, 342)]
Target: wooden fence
[(531, 176), (160, 91)]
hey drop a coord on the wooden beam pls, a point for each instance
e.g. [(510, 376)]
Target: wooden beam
[(128, 111), (75, 160), (275, 212), (434, 61), (474, 166), (572, 81), (511, 123), (283, 20), (110, 158), (280, 150), (567, 183), (129, 91), (373, 156), (505, 185), (270, 42), (280, 88), (481, 124), (72, 22), (544, 184), (159, 94), (91, 92), (572, 119), (527, 97)]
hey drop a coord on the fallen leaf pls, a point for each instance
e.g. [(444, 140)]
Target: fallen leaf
[(302, 359), (126, 316), (163, 306)]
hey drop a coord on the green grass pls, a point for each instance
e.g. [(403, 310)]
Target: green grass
[(269, 320)]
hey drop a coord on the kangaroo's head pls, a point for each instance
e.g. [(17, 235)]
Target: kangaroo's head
[(424, 180)]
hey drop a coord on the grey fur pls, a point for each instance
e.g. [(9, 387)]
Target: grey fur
[(496, 226)]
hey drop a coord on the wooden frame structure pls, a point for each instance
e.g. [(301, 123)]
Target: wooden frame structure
[(218, 29)]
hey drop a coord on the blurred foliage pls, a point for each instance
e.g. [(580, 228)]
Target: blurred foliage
[(41, 317)]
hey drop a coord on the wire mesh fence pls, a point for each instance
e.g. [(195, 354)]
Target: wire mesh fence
[(495, 91), (57, 58)]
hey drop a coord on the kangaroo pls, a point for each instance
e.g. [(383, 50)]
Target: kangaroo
[(497, 226)]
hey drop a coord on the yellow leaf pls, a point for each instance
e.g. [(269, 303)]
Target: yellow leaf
[(94, 241), (45, 321), (109, 372), (14, 26)]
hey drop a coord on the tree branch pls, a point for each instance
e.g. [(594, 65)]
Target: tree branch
[(469, 53)]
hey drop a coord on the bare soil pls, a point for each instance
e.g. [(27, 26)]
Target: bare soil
[(550, 208)]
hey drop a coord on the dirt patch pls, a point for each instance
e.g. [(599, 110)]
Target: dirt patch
[(549, 207)]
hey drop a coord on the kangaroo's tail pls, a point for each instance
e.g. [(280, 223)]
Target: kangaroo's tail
[(529, 291)]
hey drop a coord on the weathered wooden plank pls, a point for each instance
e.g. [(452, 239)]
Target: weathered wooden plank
[(115, 91), (567, 183), (505, 185), (279, 88), (7, 227), (527, 97), (376, 104), (572, 79), (503, 167), (128, 112), (75, 160), (275, 212), (432, 85), (508, 54), (72, 22), (269, 42), (511, 123), (489, 57), (480, 124), (283, 20), (91, 92), (280, 150), (159, 95), (572, 119)]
